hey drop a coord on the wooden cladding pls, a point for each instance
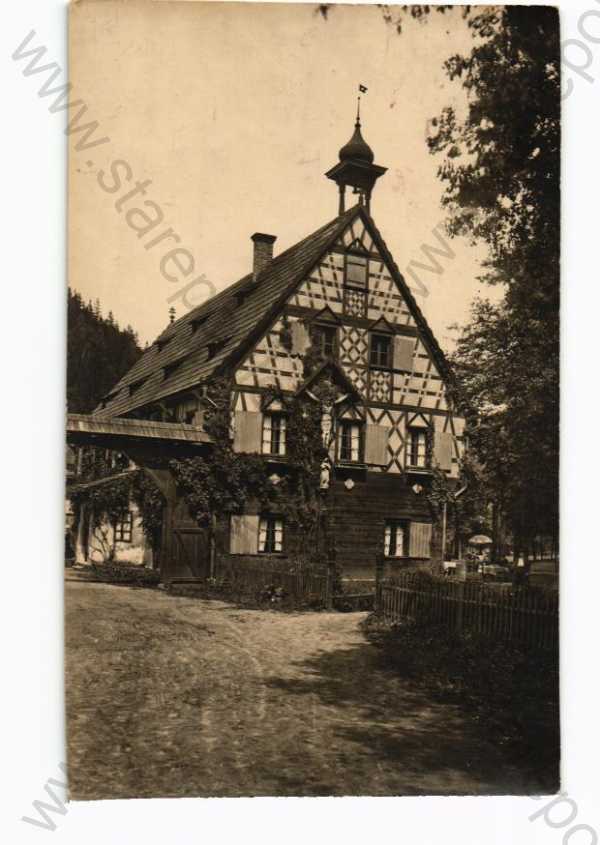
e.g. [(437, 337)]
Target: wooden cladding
[(403, 353), (442, 449), (243, 534), (248, 431), (376, 443), (420, 539)]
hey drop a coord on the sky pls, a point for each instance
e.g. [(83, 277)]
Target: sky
[(234, 111)]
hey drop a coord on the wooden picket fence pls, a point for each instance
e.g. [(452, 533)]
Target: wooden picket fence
[(522, 614)]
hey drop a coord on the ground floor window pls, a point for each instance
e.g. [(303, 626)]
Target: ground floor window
[(270, 534), (123, 528), (396, 538)]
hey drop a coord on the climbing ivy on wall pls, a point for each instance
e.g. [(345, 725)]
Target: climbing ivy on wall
[(223, 481), (106, 503), (226, 481), (151, 503)]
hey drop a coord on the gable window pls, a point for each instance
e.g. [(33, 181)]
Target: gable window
[(325, 340), (357, 270), (123, 528), (381, 351), (270, 534), (396, 538), (350, 441), (417, 448), (274, 434)]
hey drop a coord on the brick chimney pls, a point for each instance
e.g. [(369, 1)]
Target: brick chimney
[(263, 252)]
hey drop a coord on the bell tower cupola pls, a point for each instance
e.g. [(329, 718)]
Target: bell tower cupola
[(356, 168)]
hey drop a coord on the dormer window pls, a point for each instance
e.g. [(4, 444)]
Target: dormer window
[(199, 321), (135, 386), (170, 369), (216, 346), (160, 344), (242, 294)]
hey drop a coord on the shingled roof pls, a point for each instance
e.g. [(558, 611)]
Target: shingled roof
[(217, 334)]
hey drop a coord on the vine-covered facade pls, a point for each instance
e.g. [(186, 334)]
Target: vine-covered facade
[(327, 328)]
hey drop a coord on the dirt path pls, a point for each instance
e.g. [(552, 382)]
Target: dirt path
[(172, 696)]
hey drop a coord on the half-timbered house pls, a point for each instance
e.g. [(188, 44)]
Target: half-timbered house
[(340, 290)]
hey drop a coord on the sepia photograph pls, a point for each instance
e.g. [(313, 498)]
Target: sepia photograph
[(311, 512)]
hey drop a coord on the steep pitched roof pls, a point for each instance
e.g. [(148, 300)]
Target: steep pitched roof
[(226, 318), (218, 333)]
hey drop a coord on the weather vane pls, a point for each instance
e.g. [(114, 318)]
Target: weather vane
[(362, 89)]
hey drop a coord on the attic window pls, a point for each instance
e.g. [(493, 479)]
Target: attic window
[(216, 346)]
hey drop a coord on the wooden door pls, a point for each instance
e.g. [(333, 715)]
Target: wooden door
[(186, 548), (191, 553)]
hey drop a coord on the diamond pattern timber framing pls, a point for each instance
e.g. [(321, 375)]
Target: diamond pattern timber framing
[(380, 386), (270, 364)]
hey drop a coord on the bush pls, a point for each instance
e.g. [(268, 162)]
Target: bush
[(118, 573), (513, 688)]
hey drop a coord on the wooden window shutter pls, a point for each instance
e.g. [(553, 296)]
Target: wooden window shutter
[(243, 534), (376, 441), (300, 338), (403, 353), (420, 539), (442, 449), (248, 431)]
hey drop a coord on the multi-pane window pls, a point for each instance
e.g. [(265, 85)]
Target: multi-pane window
[(325, 340), (350, 441), (357, 269), (396, 538), (274, 434), (123, 528), (417, 447), (381, 350), (270, 534)]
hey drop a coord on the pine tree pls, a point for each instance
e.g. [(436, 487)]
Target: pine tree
[(98, 353)]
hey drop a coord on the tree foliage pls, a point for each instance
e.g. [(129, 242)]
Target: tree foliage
[(227, 481), (98, 353), (501, 171), (502, 174), (151, 503)]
